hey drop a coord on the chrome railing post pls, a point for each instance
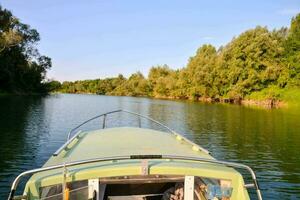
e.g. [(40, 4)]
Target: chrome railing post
[(140, 123), (64, 185), (104, 119)]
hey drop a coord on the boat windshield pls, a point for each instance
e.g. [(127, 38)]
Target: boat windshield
[(154, 187)]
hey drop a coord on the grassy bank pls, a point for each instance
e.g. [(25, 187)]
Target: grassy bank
[(281, 97)]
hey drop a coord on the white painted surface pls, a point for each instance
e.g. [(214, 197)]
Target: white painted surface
[(189, 188)]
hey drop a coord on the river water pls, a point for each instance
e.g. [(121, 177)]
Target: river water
[(32, 128)]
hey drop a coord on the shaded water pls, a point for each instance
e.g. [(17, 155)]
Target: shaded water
[(32, 128)]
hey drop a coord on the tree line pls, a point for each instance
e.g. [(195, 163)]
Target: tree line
[(22, 68), (259, 62)]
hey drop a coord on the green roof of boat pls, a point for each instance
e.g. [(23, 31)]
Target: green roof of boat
[(125, 141), (131, 141)]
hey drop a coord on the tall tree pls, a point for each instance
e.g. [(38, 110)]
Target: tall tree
[(22, 68), (136, 85), (292, 50), (162, 81), (253, 61), (201, 73)]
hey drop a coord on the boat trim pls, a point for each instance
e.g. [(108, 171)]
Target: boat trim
[(66, 144), (135, 157)]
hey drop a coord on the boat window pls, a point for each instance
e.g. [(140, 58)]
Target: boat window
[(77, 190), (166, 188), (150, 187), (212, 189)]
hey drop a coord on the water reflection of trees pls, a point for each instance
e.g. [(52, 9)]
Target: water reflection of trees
[(267, 140), (20, 129)]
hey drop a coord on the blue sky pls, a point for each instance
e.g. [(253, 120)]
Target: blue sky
[(89, 39)]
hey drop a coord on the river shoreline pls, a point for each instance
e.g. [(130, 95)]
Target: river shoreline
[(265, 103)]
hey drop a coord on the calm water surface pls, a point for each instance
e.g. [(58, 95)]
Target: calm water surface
[(32, 128)]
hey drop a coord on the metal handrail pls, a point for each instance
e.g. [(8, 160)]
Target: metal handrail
[(133, 113), (138, 157), (116, 111), (91, 119), (66, 144)]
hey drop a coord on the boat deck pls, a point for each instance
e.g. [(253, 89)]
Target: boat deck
[(125, 141)]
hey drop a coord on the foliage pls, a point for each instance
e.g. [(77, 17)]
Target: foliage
[(162, 81), (53, 85), (253, 61), (22, 68), (258, 64), (201, 73), (292, 50), (136, 85), (290, 95), (97, 86)]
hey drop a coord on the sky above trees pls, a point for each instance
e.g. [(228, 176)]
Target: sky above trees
[(98, 39)]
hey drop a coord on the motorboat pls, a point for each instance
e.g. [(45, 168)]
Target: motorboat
[(134, 163)]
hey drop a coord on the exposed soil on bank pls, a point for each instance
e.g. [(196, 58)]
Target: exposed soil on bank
[(266, 103)]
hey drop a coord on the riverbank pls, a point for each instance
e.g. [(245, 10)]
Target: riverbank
[(265, 103), (265, 98), (290, 97)]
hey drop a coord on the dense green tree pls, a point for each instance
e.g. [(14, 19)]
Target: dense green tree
[(22, 68), (258, 60), (252, 61), (98, 86), (162, 81), (292, 50), (200, 73), (136, 85), (53, 85)]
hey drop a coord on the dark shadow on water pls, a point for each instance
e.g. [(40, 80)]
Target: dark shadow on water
[(19, 129)]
